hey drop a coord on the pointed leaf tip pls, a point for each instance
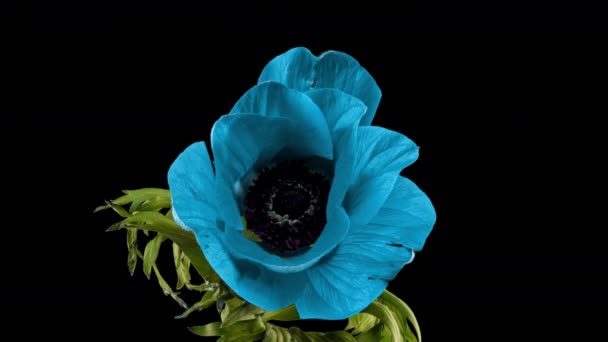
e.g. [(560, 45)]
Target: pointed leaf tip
[(211, 329), (100, 208)]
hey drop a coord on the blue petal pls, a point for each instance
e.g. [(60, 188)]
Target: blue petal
[(407, 217), (359, 269), (240, 144), (310, 135), (349, 279), (341, 71), (254, 283), (343, 113), (299, 69), (381, 155), (294, 69), (343, 169), (333, 233), (191, 182)]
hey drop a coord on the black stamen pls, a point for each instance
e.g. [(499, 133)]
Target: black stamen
[(285, 207)]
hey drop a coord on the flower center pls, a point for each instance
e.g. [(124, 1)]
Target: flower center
[(285, 207)]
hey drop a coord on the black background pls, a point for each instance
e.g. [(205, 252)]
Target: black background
[(112, 94)]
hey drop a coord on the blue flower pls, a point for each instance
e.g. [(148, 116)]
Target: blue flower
[(299, 69), (297, 164)]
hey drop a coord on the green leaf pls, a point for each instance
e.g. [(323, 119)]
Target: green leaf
[(182, 266), (118, 209), (230, 306), (211, 329), (151, 253), (288, 313), (155, 204), (388, 318), (243, 331), (279, 334), (152, 199), (160, 223), (132, 248), (167, 289), (409, 335), (395, 317), (333, 336), (276, 334), (208, 299), (361, 323), (402, 311), (375, 334), (203, 287), (138, 197), (225, 295), (245, 311)]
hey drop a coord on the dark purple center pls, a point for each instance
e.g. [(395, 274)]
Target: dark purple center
[(285, 207)]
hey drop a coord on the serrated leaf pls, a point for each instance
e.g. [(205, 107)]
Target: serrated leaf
[(375, 334), (243, 331), (309, 336), (409, 335), (141, 195), (230, 306), (157, 222), (388, 318), (131, 238), (403, 312), (109, 205), (225, 294), (101, 208), (169, 215), (245, 311), (149, 201), (288, 313), (361, 323), (151, 253), (211, 329), (182, 266), (155, 204), (177, 255), (203, 287), (277, 334), (183, 272), (208, 299), (167, 289), (132, 250), (386, 334)]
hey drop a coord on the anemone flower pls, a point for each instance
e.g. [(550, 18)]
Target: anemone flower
[(304, 203)]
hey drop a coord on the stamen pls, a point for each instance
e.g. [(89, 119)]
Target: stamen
[(285, 207)]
